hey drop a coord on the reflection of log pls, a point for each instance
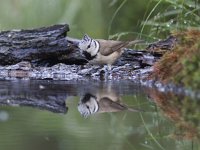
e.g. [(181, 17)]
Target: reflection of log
[(51, 95), (34, 94)]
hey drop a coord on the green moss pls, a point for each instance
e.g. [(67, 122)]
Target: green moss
[(190, 74), (182, 64)]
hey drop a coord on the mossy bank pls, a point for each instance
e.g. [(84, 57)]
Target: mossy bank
[(182, 64)]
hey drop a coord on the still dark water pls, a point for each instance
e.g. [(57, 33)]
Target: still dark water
[(62, 115)]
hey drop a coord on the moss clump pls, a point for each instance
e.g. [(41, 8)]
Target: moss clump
[(181, 65)]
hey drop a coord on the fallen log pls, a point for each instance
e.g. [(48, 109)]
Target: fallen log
[(48, 46), (45, 53), (43, 46)]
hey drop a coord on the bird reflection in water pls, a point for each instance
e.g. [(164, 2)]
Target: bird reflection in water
[(104, 100)]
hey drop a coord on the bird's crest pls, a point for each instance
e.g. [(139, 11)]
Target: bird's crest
[(86, 38)]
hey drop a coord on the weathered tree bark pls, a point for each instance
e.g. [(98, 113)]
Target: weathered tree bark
[(43, 46)]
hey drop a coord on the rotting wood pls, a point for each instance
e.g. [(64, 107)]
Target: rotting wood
[(42, 46)]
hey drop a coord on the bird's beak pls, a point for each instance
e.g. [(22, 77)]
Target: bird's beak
[(76, 43)]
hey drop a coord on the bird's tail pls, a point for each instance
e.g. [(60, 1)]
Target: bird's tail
[(134, 109), (131, 43)]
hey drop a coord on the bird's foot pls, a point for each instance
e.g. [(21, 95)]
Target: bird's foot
[(108, 72)]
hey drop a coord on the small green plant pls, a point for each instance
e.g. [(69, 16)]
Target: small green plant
[(113, 17), (169, 15)]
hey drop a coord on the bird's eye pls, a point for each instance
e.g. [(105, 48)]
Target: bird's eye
[(88, 46)]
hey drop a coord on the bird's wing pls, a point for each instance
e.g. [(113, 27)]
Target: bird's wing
[(107, 105), (107, 47)]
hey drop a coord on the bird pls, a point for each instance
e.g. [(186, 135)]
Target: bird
[(103, 52), (101, 101)]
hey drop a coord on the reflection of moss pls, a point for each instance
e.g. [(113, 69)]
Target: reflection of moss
[(183, 111), (181, 65), (189, 116), (191, 111)]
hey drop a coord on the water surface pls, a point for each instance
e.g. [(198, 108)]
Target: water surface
[(57, 115)]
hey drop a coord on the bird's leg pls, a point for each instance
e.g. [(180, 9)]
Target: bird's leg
[(109, 71), (109, 68), (106, 68)]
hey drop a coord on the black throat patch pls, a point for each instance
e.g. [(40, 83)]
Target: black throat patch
[(88, 55), (87, 97)]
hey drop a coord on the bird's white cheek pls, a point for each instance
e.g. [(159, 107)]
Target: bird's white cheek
[(93, 51), (89, 50)]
